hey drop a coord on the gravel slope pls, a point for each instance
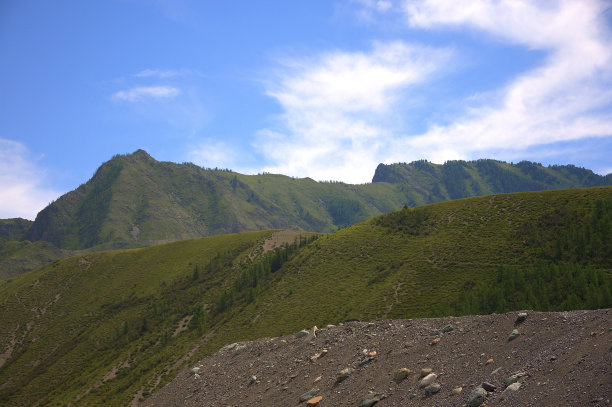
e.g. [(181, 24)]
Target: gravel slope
[(565, 359)]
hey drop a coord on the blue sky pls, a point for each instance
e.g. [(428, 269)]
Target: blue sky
[(320, 88)]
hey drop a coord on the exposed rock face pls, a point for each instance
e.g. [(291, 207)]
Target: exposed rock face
[(521, 372)]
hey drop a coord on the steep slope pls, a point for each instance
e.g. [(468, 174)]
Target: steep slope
[(428, 182), (111, 327), (96, 328)]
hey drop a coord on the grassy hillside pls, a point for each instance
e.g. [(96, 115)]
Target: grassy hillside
[(17, 257), (111, 327), (94, 328)]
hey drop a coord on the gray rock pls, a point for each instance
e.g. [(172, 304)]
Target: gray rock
[(447, 328), (309, 394), (515, 334), (427, 380), (344, 373), (195, 370), (253, 379), (489, 387), (477, 397), (401, 374), (369, 400), (432, 389), (196, 376), (521, 317), (434, 332), (412, 395)]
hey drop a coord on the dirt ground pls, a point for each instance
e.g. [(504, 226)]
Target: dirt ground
[(563, 359)]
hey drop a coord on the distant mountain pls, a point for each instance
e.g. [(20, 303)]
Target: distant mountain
[(134, 201), (462, 179), (109, 328)]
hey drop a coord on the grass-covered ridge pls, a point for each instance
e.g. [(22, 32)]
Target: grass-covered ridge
[(111, 327)]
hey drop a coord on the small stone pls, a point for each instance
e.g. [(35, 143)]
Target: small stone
[(401, 374), (369, 400), (196, 376), (434, 332), (253, 379), (427, 380), (239, 349), (521, 317), (318, 379), (477, 397), (432, 389), (372, 354), (496, 371), (366, 361), (447, 328), (489, 387), (435, 341), (515, 334), (301, 334), (489, 361), (553, 358), (457, 390), (513, 387), (513, 379), (318, 355), (412, 395), (195, 370), (344, 373), (314, 401), (425, 371), (308, 395)]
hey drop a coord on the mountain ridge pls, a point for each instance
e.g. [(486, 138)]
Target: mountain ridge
[(134, 201)]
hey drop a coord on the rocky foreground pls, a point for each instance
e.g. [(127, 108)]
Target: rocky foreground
[(533, 359)]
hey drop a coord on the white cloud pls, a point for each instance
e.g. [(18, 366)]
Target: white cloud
[(567, 98), (210, 154), (157, 73), (334, 105), (146, 93), (338, 108), (21, 182)]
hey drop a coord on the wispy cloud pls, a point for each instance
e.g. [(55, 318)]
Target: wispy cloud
[(567, 98), (210, 153), (338, 118), (157, 73), (146, 93), (334, 105), (22, 182)]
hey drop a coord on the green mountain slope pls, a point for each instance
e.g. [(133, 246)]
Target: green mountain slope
[(428, 182), (134, 200), (110, 327)]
